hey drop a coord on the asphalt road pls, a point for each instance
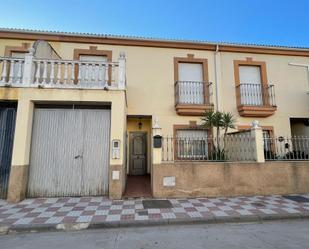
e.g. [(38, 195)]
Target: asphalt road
[(285, 234)]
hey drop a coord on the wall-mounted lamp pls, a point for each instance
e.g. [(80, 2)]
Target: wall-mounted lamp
[(140, 124)]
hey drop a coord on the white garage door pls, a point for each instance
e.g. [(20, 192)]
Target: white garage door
[(69, 152)]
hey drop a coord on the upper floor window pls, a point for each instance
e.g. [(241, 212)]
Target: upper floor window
[(16, 67), (95, 70), (192, 144), (97, 73), (254, 96), (192, 89), (251, 90), (191, 83)]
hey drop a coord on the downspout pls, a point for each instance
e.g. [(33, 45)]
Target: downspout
[(216, 77)]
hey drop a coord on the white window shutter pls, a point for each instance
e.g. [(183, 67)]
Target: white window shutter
[(191, 86), (97, 71), (251, 85)]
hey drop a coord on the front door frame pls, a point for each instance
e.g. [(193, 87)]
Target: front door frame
[(146, 150)]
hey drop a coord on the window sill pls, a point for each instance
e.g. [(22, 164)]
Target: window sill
[(192, 110), (256, 111)]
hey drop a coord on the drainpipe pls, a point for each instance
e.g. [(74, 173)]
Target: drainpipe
[(217, 75)]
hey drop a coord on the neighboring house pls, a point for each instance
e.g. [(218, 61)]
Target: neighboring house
[(78, 114)]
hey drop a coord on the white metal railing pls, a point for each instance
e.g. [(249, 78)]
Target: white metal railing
[(47, 73), (193, 92), (256, 94), (232, 147), (12, 70)]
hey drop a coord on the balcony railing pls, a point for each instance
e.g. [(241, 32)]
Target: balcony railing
[(46, 73), (193, 93), (256, 94)]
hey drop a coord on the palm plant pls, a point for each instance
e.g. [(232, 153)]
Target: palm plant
[(219, 120), (228, 121)]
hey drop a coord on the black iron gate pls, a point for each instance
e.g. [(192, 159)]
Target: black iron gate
[(7, 128)]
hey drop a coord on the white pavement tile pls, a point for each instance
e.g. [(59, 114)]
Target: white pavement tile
[(139, 206), (23, 221), (194, 201), (101, 212), (154, 211), (168, 215), (38, 210), (54, 220), (12, 211), (113, 217), (27, 201), (96, 199), (46, 214), (74, 213), (116, 207), (51, 200), (248, 207), (58, 204), (225, 208), (195, 214), (82, 204), (179, 210), (244, 212), (91, 208), (65, 209), (291, 210), (186, 204), (230, 204), (209, 204), (73, 200), (290, 205), (86, 218), (219, 213), (129, 202), (128, 211), (141, 217), (17, 215), (202, 209), (267, 211)]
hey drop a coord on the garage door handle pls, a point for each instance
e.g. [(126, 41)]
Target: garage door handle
[(78, 156)]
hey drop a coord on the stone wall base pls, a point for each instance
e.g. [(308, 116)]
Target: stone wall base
[(214, 179)]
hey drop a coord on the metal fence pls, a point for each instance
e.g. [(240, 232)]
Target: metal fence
[(286, 148), (232, 147)]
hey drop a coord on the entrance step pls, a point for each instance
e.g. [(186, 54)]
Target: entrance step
[(138, 186)]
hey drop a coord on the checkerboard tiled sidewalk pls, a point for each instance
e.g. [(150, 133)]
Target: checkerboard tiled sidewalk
[(44, 211)]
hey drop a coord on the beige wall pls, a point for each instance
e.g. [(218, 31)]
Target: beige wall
[(230, 179), (150, 82)]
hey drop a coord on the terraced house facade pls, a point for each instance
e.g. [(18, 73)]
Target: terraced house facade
[(90, 115)]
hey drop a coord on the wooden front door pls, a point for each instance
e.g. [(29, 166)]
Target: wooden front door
[(138, 153)]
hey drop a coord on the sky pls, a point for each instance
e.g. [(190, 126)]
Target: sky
[(270, 22)]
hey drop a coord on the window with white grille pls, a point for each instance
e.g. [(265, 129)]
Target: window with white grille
[(191, 85), (192, 144), (92, 73), (251, 85)]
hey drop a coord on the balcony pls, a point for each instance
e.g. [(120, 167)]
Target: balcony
[(255, 100), (193, 98), (51, 73)]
